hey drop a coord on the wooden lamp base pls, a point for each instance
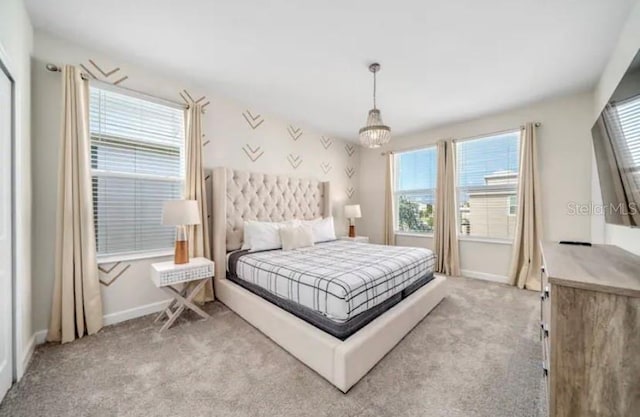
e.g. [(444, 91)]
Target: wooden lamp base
[(352, 230), (181, 254)]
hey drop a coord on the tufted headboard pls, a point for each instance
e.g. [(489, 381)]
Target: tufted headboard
[(239, 196)]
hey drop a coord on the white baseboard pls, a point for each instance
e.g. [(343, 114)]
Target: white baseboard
[(26, 357), (40, 336), (502, 279), (133, 313)]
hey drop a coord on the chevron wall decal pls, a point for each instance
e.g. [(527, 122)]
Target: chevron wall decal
[(109, 273), (253, 121), (294, 160), (350, 171), (350, 192), (188, 99), (326, 142), (326, 167), (350, 149), (252, 153), (294, 132), (104, 75)]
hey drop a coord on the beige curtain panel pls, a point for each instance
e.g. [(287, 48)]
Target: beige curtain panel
[(77, 307), (389, 198), (446, 217), (194, 189), (526, 256)]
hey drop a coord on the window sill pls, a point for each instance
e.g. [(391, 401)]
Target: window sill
[(107, 259), (495, 241), (414, 234)]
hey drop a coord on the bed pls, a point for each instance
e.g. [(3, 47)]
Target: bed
[(338, 306), (338, 286)]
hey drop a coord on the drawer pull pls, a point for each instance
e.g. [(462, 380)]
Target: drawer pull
[(546, 291), (544, 329)]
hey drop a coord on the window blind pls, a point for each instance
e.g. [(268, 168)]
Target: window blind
[(628, 143), (487, 183), (137, 161), (416, 173)]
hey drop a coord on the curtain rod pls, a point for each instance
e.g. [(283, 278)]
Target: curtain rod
[(56, 68), (415, 148)]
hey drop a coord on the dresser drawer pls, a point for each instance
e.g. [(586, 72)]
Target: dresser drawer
[(546, 348), (545, 322), (545, 352), (545, 302), (545, 306)]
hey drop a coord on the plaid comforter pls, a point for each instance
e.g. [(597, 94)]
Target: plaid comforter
[(339, 279)]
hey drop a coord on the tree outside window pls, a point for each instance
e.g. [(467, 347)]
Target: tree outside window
[(413, 216), (415, 190)]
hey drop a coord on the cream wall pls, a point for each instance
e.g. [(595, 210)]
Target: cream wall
[(564, 146), (16, 42), (626, 48), (132, 294)]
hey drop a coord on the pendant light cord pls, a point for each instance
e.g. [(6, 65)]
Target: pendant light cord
[(374, 90)]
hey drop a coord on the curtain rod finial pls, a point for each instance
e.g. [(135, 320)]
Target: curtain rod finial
[(53, 67)]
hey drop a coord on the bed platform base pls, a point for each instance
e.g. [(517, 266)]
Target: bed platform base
[(342, 363), (239, 196)]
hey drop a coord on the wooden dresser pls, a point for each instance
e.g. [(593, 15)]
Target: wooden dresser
[(590, 327)]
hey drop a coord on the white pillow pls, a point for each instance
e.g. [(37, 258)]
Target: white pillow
[(263, 235), (294, 237), (322, 229)]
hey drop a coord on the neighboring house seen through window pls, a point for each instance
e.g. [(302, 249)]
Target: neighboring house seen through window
[(415, 190), (487, 176), (137, 161)]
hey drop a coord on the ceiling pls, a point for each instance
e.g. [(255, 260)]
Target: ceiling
[(306, 61)]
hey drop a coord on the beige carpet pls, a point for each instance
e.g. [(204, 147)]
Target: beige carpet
[(476, 354)]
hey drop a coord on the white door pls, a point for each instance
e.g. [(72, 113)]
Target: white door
[(6, 290)]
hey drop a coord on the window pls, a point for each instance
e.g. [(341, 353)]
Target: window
[(487, 185), (627, 145), (415, 190), (137, 163)]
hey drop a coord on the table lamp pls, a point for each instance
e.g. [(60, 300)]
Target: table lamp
[(352, 212), (181, 213)]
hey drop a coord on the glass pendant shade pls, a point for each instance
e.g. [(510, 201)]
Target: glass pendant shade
[(375, 133)]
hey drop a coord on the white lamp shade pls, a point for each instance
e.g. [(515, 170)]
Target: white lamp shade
[(352, 211), (180, 212)]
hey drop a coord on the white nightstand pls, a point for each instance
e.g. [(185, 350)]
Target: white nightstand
[(167, 274), (361, 239)]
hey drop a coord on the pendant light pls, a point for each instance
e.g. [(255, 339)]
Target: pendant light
[(375, 133)]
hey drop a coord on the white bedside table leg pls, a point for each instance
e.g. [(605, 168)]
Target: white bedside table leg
[(172, 317), (170, 307), (182, 302), (188, 300)]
